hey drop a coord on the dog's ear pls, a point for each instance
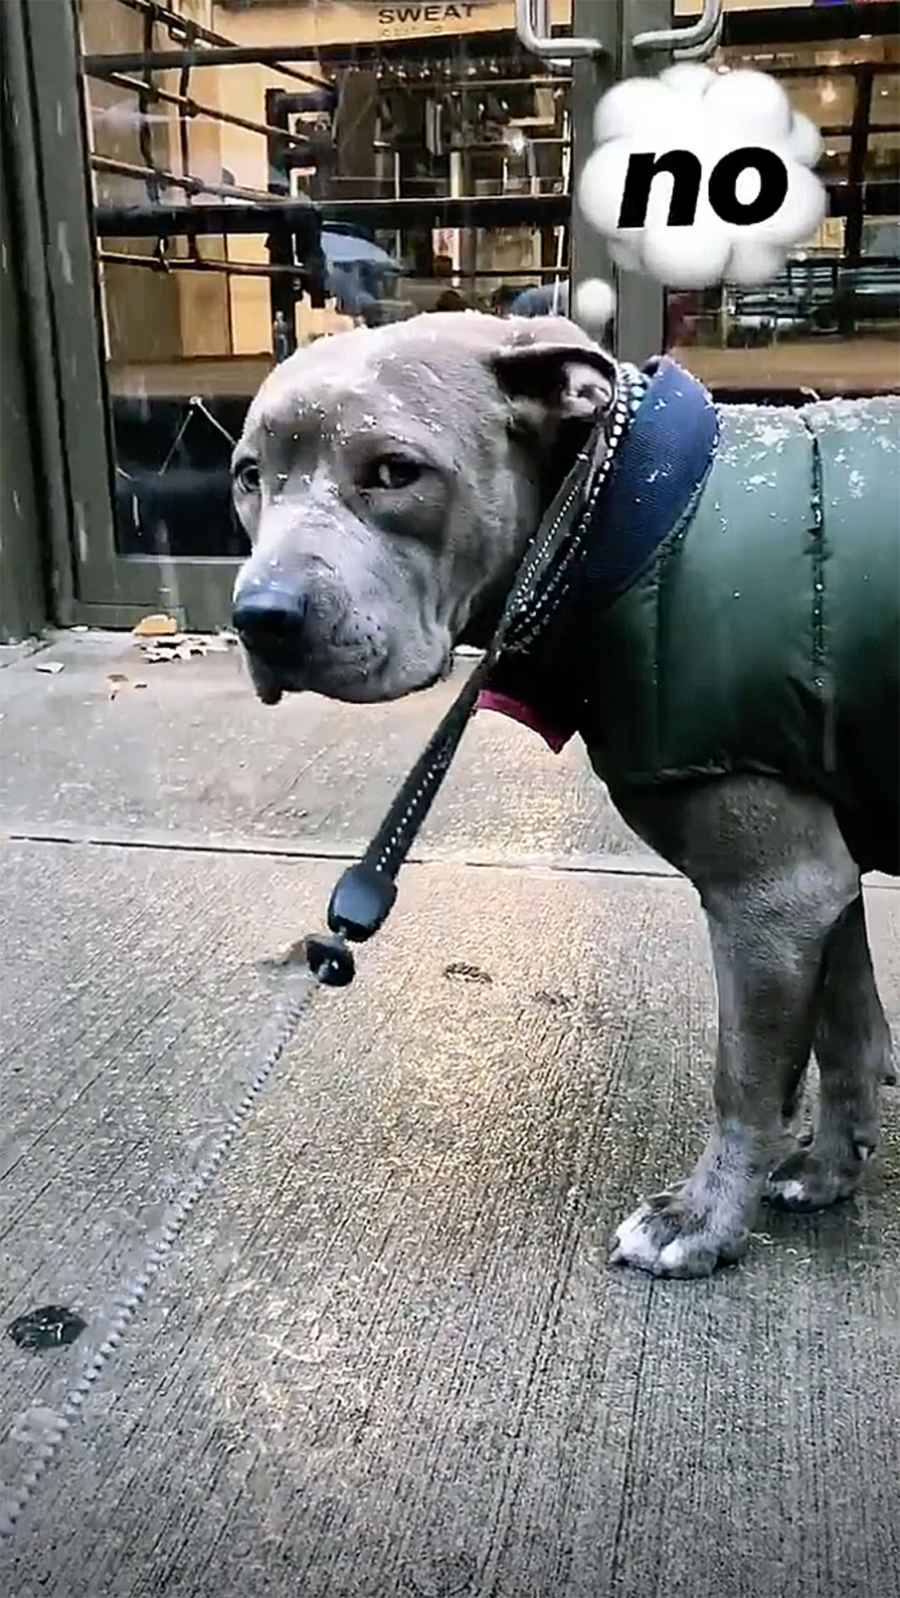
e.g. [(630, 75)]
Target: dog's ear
[(553, 373)]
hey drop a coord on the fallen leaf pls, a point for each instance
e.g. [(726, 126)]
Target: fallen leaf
[(156, 626), (171, 641), (469, 973), (117, 676)]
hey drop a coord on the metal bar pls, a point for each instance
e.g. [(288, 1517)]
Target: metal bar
[(32, 456), (282, 299), (174, 180), (177, 25), (511, 210), (44, 160), (588, 253), (172, 221), (184, 137), (201, 264), (196, 108), (261, 55), (640, 299), (145, 127), (260, 269), (856, 165)]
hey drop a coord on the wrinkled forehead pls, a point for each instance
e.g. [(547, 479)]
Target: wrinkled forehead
[(348, 386)]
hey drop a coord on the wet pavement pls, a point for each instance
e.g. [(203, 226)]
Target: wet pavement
[(384, 1353)]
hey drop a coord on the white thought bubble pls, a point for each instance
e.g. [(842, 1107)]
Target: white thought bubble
[(708, 116)]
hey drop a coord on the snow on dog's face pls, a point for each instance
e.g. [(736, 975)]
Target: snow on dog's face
[(388, 481)]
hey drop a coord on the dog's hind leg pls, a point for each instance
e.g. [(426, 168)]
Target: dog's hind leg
[(853, 1050)]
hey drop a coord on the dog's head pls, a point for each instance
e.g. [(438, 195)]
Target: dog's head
[(389, 481)]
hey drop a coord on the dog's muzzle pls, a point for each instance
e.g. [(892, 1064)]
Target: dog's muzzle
[(270, 623)]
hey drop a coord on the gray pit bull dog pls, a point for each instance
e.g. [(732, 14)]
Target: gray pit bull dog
[(390, 480)]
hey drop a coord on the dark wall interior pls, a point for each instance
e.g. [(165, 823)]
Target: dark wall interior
[(176, 501)]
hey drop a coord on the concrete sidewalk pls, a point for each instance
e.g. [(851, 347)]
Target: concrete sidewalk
[(386, 1355)]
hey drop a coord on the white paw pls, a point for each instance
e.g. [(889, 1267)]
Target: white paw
[(668, 1238)]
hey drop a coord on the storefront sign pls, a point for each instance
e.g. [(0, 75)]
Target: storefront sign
[(390, 16), (372, 21)]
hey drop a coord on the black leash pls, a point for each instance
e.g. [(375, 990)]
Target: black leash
[(365, 894)]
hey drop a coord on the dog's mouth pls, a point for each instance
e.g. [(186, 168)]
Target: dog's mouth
[(272, 679)]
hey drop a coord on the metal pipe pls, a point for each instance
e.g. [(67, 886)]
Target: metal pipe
[(300, 216), (707, 47), (696, 34), (563, 49), (194, 108), (251, 269), (173, 180), (176, 25), (236, 55)]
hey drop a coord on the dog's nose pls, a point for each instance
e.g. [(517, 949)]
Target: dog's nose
[(269, 616)]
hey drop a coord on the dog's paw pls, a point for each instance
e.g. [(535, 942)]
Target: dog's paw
[(807, 1181), (668, 1236)]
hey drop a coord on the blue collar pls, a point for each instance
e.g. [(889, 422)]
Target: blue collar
[(660, 465)]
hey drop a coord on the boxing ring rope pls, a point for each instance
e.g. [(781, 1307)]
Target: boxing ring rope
[(296, 262), (198, 264), (175, 180), (100, 66), (195, 108), (179, 27)]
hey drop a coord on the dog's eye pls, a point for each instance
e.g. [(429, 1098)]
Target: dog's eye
[(247, 477), (391, 472)]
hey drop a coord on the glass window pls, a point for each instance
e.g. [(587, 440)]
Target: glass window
[(830, 320), (245, 209)]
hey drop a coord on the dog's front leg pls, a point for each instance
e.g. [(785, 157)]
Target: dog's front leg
[(772, 895)]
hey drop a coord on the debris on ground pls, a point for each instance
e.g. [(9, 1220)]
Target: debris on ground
[(51, 666), (182, 646), (156, 626), (469, 973), (50, 1326), (118, 681)]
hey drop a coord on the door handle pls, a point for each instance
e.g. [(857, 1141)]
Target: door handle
[(699, 52), (696, 38), (533, 30)]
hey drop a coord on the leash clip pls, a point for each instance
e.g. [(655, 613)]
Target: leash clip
[(329, 960)]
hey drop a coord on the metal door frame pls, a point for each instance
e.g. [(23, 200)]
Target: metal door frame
[(90, 581), (639, 325)]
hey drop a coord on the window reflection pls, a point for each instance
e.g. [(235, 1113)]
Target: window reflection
[(393, 166), (830, 321)]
